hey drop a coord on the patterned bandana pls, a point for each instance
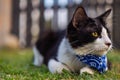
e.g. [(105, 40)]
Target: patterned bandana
[(94, 61)]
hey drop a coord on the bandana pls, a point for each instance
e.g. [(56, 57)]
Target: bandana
[(94, 61)]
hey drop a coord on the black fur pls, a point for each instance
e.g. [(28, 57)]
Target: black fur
[(78, 32), (83, 32), (48, 44)]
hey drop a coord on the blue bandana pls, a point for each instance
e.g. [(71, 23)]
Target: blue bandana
[(94, 61)]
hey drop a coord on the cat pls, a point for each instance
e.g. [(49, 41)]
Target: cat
[(82, 36)]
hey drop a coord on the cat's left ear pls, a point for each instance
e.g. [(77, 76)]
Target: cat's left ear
[(104, 15), (79, 16)]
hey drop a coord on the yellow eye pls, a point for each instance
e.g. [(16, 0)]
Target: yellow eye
[(95, 34)]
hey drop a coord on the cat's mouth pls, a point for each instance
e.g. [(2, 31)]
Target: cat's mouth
[(101, 51)]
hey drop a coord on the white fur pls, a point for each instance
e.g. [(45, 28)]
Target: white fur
[(66, 54), (38, 58), (56, 67), (100, 44), (86, 69)]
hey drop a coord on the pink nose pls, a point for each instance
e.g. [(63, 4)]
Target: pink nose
[(108, 44)]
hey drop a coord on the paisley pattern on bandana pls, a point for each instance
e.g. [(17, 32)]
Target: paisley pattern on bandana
[(94, 61)]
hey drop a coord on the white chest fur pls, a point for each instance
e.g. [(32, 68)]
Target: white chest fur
[(67, 56)]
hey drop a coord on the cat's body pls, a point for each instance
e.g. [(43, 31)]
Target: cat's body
[(83, 36)]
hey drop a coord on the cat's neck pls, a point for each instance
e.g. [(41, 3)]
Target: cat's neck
[(65, 44), (67, 55)]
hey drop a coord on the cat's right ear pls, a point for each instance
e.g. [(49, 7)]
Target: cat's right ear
[(79, 16)]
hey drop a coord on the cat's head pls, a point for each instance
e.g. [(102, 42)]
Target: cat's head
[(89, 35)]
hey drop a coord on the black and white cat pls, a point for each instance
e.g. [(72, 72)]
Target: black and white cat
[(83, 35)]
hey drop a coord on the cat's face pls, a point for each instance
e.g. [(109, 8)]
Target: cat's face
[(89, 35)]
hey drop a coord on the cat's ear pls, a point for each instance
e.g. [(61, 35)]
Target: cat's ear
[(104, 15), (79, 16)]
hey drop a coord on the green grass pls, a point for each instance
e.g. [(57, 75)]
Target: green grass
[(17, 65)]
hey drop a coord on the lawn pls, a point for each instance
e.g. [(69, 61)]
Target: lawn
[(17, 65)]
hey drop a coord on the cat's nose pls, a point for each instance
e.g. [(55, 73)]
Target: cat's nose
[(108, 44)]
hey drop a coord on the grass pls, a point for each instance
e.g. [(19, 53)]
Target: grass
[(17, 65)]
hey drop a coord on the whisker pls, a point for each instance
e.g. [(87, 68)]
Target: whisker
[(111, 50), (74, 60), (74, 41), (85, 47), (86, 52), (90, 51), (115, 45)]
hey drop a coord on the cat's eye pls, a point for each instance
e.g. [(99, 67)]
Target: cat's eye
[(95, 34)]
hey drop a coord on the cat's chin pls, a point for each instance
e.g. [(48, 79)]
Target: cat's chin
[(100, 52)]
